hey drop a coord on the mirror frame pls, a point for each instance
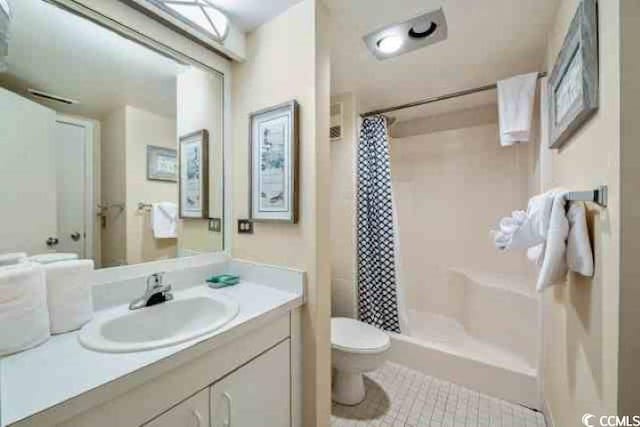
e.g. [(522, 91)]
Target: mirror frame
[(127, 22)]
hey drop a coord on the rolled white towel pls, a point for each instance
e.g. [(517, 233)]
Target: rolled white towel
[(12, 258), (23, 307), (69, 294)]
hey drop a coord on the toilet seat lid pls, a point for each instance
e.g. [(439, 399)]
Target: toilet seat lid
[(353, 336)]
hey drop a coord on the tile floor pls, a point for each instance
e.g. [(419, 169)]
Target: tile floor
[(401, 397)]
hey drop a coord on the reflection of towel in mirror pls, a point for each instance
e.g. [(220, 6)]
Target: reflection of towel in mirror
[(164, 220)]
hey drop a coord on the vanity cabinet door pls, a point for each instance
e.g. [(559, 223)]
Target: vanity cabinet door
[(257, 394), (193, 412)]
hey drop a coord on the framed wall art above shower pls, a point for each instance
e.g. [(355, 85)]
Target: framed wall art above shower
[(273, 164), (573, 84)]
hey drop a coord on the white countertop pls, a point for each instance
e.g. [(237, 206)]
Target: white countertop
[(61, 369)]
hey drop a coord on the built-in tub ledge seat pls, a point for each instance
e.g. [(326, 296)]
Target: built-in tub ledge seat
[(160, 365)]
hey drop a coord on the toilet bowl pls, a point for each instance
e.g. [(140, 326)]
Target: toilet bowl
[(356, 348)]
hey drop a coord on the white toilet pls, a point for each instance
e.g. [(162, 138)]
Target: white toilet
[(356, 348)]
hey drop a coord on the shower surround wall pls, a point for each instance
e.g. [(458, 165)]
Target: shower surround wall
[(451, 186), (466, 300)]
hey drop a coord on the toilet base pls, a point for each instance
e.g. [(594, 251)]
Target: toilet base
[(348, 388)]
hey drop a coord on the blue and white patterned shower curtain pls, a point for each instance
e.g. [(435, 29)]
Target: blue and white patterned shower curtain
[(377, 288)]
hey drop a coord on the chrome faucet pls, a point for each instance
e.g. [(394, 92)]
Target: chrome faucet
[(156, 293)]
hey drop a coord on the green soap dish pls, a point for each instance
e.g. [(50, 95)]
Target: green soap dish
[(223, 281)]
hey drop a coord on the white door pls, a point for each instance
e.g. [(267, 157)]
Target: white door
[(257, 394), (27, 175), (70, 143)]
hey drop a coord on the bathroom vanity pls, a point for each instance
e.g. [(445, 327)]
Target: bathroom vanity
[(245, 373)]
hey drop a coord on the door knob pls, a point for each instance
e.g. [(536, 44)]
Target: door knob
[(75, 236), (52, 241)]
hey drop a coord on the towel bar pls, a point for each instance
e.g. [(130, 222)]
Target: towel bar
[(598, 196)]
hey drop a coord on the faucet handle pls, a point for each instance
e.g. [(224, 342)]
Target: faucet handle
[(155, 280)]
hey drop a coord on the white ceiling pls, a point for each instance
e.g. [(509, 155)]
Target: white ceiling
[(58, 52), (488, 40), (250, 14)]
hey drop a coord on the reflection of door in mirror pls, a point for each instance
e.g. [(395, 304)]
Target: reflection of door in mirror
[(27, 175), (79, 107), (75, 181)]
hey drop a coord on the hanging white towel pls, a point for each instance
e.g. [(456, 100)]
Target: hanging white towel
[(12, 258), (164, 220), (554, 265), (23, 307), (556, 240), (515, 106), (69, 295), (579, 253)]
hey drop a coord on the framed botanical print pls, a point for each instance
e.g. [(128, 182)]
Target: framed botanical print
[(162, 164), (273, 142), (194, 175), (573, 84)]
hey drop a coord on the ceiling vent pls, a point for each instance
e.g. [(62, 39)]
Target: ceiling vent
[(403, 37), (51, 97), (337, 123)]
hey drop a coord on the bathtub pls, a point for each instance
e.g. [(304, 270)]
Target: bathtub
[(484, 337)]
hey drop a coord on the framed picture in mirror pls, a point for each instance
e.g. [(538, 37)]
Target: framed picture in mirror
[(194, 174), (162, 164), (273, 141)]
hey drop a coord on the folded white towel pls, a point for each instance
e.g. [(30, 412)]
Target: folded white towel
[(23, 307), (515, 106), (579, 253), (164, 220), (52, 257), (69, 294), (12, 258)]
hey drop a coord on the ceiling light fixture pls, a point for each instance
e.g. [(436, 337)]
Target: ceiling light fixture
[(390, 44), (402, 37)]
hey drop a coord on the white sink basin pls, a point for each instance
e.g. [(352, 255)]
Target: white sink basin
[(122, 330)]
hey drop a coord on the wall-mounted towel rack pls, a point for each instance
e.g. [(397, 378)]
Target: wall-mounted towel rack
[(598, 196), (144, 206)]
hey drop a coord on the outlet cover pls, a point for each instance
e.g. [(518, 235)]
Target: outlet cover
[(245, 226)]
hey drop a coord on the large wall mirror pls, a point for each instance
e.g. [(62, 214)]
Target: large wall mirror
[(101, 147)]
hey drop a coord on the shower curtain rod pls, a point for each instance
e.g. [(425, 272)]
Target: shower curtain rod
[(437, 98)]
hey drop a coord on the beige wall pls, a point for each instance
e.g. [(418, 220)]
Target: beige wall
[(200, 106), (343, 208), (287, 58), (112, 165), (142, 129), (451, 185), (581, 317), (629, 374)]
